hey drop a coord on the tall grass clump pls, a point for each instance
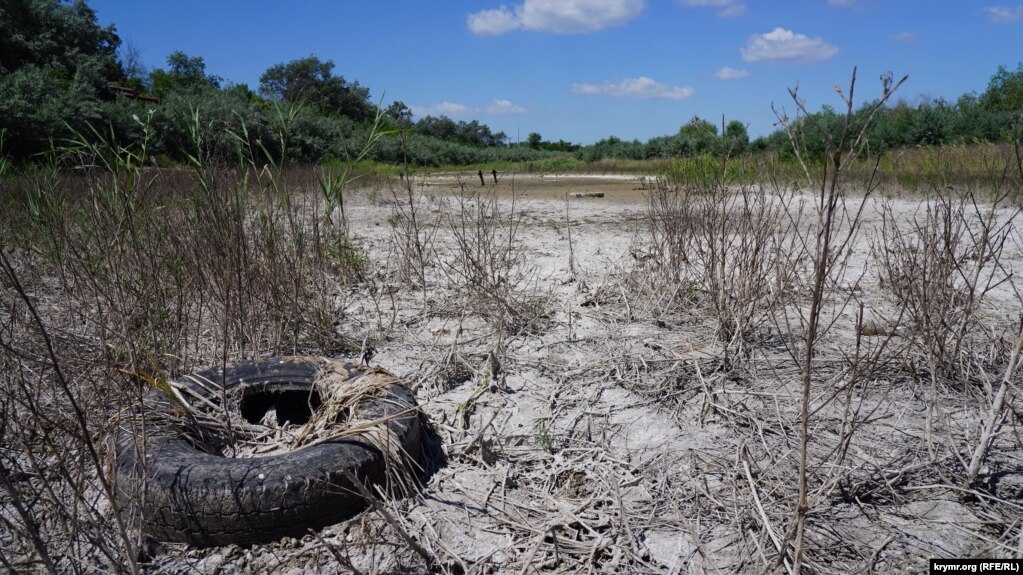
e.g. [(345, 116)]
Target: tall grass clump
[(835, 222), (412, 233), (944, 266), (940, 265), (55, 409), (723, 243), (117, 275), (412, 229), (334, 183), (485, 263), (771, 258)]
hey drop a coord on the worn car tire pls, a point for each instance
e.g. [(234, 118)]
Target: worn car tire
[(190, 496)]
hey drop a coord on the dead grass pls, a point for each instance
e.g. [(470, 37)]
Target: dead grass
[(618, 386)]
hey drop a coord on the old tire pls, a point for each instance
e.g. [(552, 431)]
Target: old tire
[(204, 499)]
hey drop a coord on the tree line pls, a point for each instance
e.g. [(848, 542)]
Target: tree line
[(996, 115), (61, 73)]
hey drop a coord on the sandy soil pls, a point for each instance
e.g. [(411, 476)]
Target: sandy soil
[(612, 439), (617, 188)]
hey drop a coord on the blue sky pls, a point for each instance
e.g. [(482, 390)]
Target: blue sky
[(581, 70)]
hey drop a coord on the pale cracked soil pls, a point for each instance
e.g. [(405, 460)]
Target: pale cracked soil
[(611, 439)]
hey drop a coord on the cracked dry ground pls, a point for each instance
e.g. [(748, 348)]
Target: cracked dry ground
[(609, 436)]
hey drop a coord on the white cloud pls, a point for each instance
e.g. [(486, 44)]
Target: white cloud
[(558, 16), (732, 9), (572, 16), (450, 109), (493, 22), (500, 106), (781, 44), (455, 110), (905, 38), (841, 3), (728, 73), (642, 87), (725, 7), (1004, 14)]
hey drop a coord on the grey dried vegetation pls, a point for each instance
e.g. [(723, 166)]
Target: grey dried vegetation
[(818, 377)]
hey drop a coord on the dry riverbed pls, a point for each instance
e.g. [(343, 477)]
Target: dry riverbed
[(601, 426)]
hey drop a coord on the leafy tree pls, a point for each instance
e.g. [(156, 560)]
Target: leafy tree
[(55, 35), (560, 146), (312, 80), (1005, 90), (399, 114), (468, 133), (816, 129), (928, 127), (55, 63), (534, 140), (736, 138), (476, 134), (441, 127), (241, 91), (613, 147), (891, 128), (698, 136), (133, 70), (184, 74), (971, 122), (698, 128)]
